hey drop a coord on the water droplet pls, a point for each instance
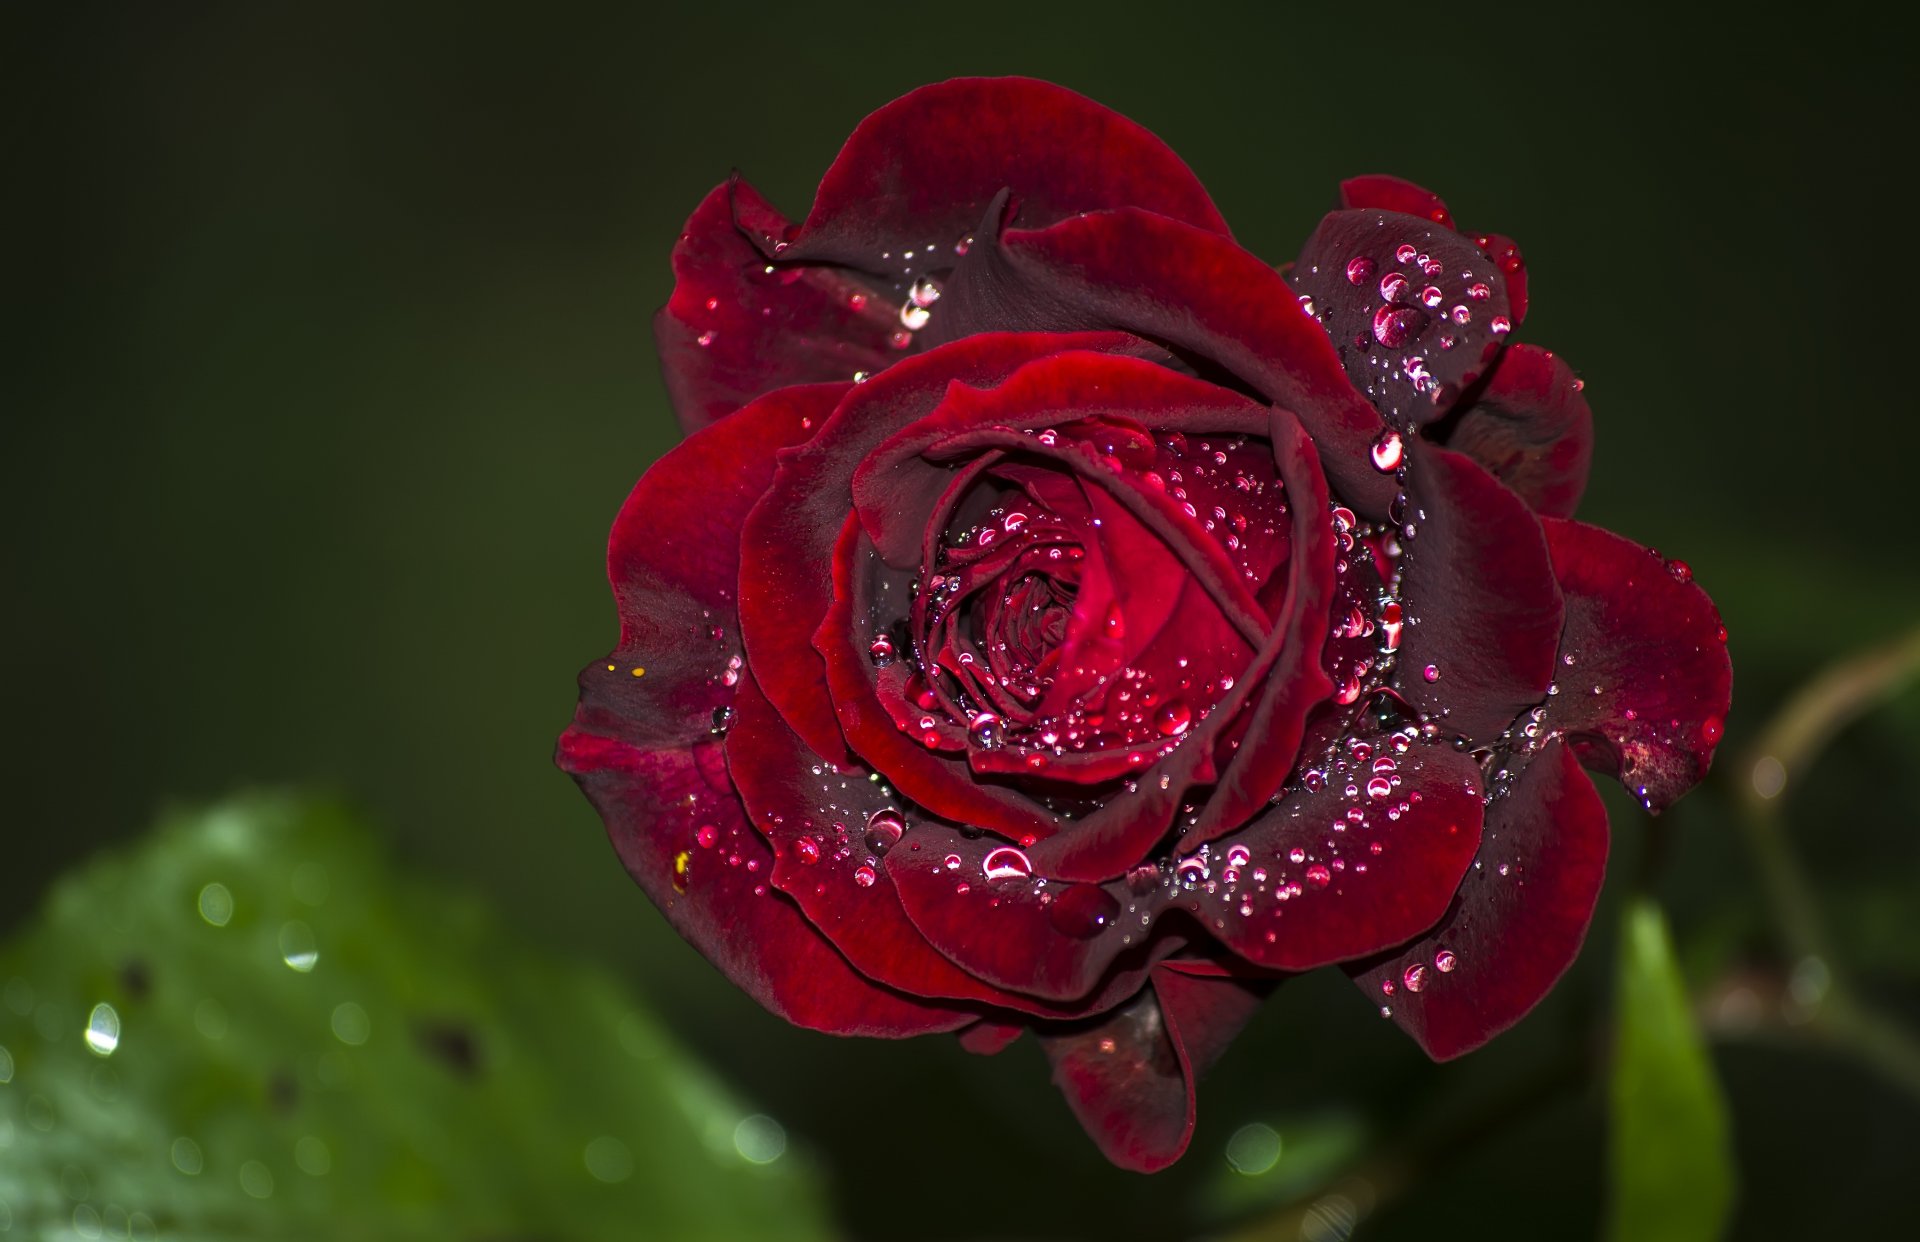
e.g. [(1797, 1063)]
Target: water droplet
[(1083, 911), (1405, 252), (1415, 977), (1500, 325), (1360, 270), (1479, 292), (1007, 863), (1444, 961), (1395, 326), (1394, 287), (863, 876), (1379, 787), (297, 947), (884, 829), (985, 732), (1296, 854), (881, 651), (706, 338), (707, 835), (1431, 672), (216, 904), (103, 1030), (1319, 876), (1388, 452), (925, 292), (914, 317), (1712, 729), (1173, 718), (1431, 296), (807, 850), (1681, 571)]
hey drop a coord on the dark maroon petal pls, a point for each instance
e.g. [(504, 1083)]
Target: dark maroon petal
[(830, 830), (1416, 312), (1327, 875), (1485, 612), (1645, 681), (643, 742), (1377, 190), (734, 329), (1532, 429), (1191, 289), (987, 1038), (1130, 1077), (1517, 922), (919, 173)]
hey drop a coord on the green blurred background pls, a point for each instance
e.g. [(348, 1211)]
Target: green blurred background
[(328, 366)]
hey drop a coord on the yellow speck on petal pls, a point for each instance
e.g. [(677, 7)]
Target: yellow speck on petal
[(680, 863), (611, 667), (639, 672)]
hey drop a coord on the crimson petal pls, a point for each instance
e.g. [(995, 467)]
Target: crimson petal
[(1647, 682), (642, 744), (1518, 921), (1486, 611), (829, 830), (1532, 429), (1416, 313), (919, 173), (1129, 1078), (1157, 278), (734, 329), (1393, 194)]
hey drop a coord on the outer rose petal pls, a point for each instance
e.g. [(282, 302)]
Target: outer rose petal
[(1531, 428), (732, 331), (1199, 292), (1518, 921), (797, 800), (1129, 1078), (1487, 612), (1393, 194), (919, 173), (1416, 313), (642, 744), (1646, 692)]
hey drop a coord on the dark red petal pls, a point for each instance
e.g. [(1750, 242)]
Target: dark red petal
[(1485, 609), (733, 331), (1416, 313), (1387, 193), (656, 801), (919, 173), (1645, 682), (1517, 922), (642, 744), (1532, 429), (830, 829), (1197, 291), (1130, 1077), (1358, 886), (987, 1038)]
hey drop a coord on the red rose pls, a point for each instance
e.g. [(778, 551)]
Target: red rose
[(1056, 618)]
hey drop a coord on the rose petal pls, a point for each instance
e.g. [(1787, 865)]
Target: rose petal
[(1393, 194), (829, 830), (1531, 428), (1517, 922), (1645, 681), (1130, 1077), (1416, 313), (1485, 609), (1197, 291), (642, 744), (919, 173), (987, 1038), (1357, 886), (732, 330)]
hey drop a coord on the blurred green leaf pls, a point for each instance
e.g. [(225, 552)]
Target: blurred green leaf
[(247, 1028), (1672, 1165)]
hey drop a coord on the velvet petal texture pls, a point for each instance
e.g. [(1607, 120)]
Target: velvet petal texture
[(1517, 922), (1415, 311), (1645, 681), (643, 744), (1196, 291), (1394, 194), (1486, 613), (1130, 1076), (736, 327), (918, 174), (1531, 428)]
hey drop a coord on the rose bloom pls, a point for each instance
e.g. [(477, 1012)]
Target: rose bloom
[(1059, 619)]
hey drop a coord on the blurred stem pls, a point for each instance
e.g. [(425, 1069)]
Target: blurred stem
[(1785, 752)]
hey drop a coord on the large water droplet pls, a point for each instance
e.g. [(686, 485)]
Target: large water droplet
[(1415, 977), (881, 651), (863, 876), (103, 1030), (1360, 270), (1173, 718), (1444, 961), (1083, 911), (1388, 452), (1394, 287), (1319, 876), (1007, 863), (884, 828), (1394, 326), (985, 732)]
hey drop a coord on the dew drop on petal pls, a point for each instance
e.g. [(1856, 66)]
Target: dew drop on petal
[(1360, 270), (1444, 961), (884, 828), (1415, 977), (1388, 452), (1319, 876), (1007, 863)]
